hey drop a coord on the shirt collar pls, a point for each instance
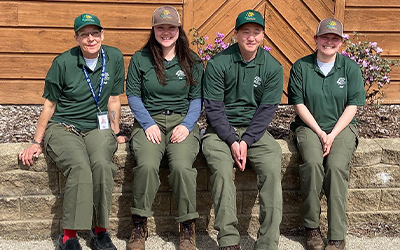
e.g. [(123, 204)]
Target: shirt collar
[(81, 59), (237, 57), (339, 62)]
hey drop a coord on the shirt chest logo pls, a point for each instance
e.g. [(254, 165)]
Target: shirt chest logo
[(180, 74), (341, 82), (257, 81), (106, 77)]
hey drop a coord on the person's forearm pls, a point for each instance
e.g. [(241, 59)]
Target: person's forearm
[(307, 117), (344, 120), (114, 112), (193, 114), (48, 110)]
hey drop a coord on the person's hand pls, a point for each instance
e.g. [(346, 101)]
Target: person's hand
[(26, 155), (239, 154), (328, 144), (122, 139), (322, 137), (153, 134), (179, 134)]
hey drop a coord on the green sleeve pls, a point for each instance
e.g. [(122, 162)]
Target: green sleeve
[(213, 82), (356, 90), (118, 87), (133, 79), (53, 81), (196, 90), (274, 83), (295, 86)]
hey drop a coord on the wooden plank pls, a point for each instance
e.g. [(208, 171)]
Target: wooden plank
[(27, 92), (340, 6), (372, 19), (21, 92), (392, 93), (49, 14), (284, 37), (154, 2), (330, 4), (9, 14), (47, 41), (159, 3), (187, 17), (388, 41), (204, 10), (372, 3), (286, 64), (319, 8), (395, 73), (298, 17), (224, 19), (30, 67)]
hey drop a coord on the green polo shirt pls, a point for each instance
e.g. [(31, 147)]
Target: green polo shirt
[(243, 86), (66, 85), (326, 97), (175, 95)]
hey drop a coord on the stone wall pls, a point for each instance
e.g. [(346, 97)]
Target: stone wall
[(31, 198)]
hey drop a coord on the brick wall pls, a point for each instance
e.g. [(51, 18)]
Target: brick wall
[(32, 198)]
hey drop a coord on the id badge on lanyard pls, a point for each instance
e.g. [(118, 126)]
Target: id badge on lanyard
[(102, 120), (102, 117)]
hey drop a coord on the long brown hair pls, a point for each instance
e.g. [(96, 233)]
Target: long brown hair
[(184, 54)]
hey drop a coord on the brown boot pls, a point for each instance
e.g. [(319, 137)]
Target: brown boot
[(314, 239), (187, 235), (336, 244), (139, 233)]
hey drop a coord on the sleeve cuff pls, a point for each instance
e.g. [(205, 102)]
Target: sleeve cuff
[(231, 139)]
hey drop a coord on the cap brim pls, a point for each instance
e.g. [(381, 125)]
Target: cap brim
[(86, 24), (329, 32)]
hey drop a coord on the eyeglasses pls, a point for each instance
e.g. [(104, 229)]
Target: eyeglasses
[(94, 33)]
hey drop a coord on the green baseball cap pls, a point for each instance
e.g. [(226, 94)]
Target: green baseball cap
[(86, 19), (249, 16)]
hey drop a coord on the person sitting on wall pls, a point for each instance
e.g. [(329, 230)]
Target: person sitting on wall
[(79, 130)]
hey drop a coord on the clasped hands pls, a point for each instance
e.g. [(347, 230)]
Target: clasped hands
[(239, 154)]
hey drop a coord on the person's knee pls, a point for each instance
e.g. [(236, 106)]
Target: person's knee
[(271, 172), (223, 174), (336, 167), (147, 167), (104, 166), (181, 165)]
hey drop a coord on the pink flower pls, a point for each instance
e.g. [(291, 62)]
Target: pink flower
[(346, 36), (267, 48)]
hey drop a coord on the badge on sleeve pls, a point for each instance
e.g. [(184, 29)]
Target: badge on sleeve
[(102, 120)]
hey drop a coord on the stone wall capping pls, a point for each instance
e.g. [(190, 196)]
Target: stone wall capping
[(31, 197)]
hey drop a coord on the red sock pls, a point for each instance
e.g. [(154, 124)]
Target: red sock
[(68, 234), (99, 230)]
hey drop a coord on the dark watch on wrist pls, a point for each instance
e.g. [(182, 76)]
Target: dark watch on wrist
[(35, 142), (119, 133)]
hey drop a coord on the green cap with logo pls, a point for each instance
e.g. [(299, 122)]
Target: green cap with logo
[(249, 16), (86, 19)]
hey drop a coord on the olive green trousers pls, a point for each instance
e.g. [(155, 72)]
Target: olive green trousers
[(264, 156), (182, 177), (86, 162), (330, 173)]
